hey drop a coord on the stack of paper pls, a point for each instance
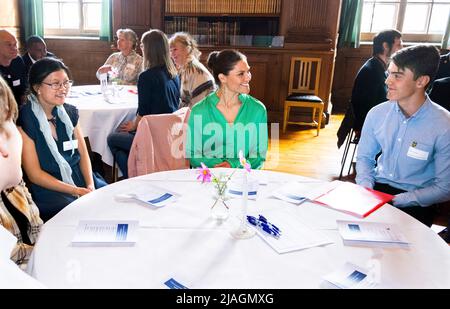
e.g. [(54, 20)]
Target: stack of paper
[(105, 233), (352, 199), (371, 234)]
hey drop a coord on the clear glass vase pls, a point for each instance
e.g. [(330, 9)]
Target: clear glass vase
[(219, 209)]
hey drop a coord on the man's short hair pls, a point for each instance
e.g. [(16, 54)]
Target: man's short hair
[(420, 59), (385, 36), (33, 40)]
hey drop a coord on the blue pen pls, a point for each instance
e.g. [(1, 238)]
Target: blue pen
[(264, 225), (263, 219)]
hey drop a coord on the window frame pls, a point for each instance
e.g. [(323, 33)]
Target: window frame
[(80, 31), (400, 17)]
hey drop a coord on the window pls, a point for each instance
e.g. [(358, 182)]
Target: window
[(418, 20), (72, 17)]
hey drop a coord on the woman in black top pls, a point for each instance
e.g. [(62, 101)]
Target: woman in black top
[(158, 91)]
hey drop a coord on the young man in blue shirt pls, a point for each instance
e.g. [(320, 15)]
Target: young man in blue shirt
[(413, 135)]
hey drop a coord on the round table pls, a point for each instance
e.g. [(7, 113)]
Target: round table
[(99, 118), (181, 241)]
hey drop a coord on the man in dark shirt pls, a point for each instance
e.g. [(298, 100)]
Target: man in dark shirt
[(12, 68), (369, 88), (444, 67), (36, 49), (440, 93)]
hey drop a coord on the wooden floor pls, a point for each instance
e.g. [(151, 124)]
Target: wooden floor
[(301, 152)]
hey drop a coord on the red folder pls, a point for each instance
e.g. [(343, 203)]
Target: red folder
[(353, 199)]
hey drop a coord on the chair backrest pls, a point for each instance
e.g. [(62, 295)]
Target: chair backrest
[(304, 75), (159, 144)]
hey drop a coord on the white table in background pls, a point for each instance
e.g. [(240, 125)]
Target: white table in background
[(181, 241), (98, 118)]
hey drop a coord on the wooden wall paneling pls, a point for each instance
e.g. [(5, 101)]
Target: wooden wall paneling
[(265, 68), (348, 63), (83, 57), (157, 15), (310, 22), (134, 14)]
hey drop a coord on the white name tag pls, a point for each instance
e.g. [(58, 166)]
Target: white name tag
[(131, 66), (16, 83), (417, 154), (69, 145)]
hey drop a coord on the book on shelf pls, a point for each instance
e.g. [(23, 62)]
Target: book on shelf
[(106, 233), (223, 6), (373, 234), (352, 199)]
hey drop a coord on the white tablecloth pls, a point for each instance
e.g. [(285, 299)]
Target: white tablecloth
[(99, 118), (181, 241)]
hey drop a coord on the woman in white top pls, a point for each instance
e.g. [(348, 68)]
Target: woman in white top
[(125, 65), (196, 81)]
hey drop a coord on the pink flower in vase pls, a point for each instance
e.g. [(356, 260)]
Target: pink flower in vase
[(204, 173)]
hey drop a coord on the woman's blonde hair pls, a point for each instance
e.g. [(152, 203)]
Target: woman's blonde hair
[(186, 39), (156, 51), (8, 104)]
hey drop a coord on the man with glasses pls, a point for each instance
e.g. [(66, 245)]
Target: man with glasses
[(12, 67)]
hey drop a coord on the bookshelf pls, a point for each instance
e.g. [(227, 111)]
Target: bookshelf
[(226, 22)]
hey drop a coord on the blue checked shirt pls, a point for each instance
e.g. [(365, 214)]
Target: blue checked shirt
[(415, 153)]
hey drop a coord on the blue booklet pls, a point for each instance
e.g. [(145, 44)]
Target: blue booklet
[(106, 233)]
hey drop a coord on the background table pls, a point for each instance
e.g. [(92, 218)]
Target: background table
[(181, 241), (98, 118)]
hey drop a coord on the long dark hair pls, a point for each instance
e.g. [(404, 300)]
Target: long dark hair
[(43, 68)]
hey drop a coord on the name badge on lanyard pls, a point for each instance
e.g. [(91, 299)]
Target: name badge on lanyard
[(70, 145), (16, 83)]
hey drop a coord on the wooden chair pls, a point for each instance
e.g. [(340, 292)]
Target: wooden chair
[(303, 90)]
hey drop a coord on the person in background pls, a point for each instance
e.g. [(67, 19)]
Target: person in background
[(55, 156), (196, 81), (12, 68), (158, 93), (440, 93), (228, 120), (18, 213), (413, 135), (125, 65), (440, 90), (444, 66), (369, 88), (36, 49)]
